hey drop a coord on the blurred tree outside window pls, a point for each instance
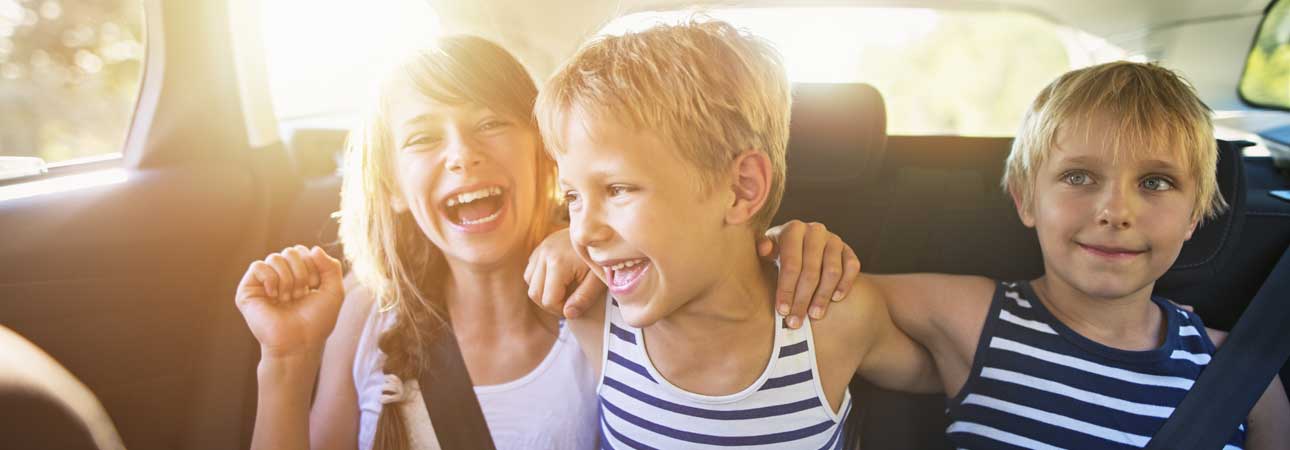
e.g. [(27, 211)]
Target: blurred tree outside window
[(952, 72), (69, 76), (1266, 81)]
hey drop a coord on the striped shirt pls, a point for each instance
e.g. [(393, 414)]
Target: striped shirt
[(1037, 384), (784, 409)]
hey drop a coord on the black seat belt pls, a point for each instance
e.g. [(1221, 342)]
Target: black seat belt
[(450, 396), (1239, 372)]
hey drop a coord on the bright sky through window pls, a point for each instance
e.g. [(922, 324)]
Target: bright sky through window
[(324, 54)]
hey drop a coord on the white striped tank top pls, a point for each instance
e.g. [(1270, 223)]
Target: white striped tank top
[(1037, 384), (784, 409)]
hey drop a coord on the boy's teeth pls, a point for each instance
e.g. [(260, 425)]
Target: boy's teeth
[(625, 264), (467, 197)]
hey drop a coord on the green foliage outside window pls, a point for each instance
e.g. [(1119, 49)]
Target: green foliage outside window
[(1266, 80), (69, 76)]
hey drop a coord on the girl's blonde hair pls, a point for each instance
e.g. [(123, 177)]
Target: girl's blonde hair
[(387, 251), (1152, 109)]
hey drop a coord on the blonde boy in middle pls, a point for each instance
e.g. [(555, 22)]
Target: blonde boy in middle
[(671, 149)]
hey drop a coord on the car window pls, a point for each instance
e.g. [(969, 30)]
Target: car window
[(956, 72), (69, 79), (1266, 80)]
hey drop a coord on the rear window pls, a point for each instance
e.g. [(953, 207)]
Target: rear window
[(69, 79), (957, 72), (323, 56)]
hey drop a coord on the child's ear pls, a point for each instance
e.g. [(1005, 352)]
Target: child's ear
[(1191, 228), (751, 185), (1027, 218)]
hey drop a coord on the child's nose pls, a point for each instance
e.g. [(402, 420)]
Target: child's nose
[(587, 229), (461, 154), (1118, 208)]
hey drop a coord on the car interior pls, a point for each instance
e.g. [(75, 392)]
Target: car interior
[(128, 283)]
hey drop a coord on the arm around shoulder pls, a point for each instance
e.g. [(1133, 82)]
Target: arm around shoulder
[(890, 358), (935, 309)]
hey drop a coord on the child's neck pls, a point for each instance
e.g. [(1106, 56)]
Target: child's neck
[(486, 301), (1132, 322), (719, 343)]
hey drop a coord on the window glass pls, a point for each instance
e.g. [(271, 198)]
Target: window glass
[(69, 79), (323, 55), (1266, 80), (957, 72)]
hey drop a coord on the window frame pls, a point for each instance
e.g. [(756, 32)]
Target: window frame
[(1254, 42), (145, 101)]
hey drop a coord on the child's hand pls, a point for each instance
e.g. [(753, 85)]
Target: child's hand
[(815, 266), (554, 270), (290, 300)]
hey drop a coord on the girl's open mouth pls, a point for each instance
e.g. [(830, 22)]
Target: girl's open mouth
[(476, 211)]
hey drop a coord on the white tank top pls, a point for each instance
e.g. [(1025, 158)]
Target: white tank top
[(551, 407)]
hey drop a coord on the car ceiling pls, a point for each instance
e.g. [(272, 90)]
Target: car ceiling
[(543, 33)]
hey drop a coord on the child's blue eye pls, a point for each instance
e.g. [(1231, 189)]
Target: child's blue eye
[(618, 189), (1157, 184), (1076, 178)]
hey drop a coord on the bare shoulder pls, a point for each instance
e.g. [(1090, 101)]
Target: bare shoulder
[(354, 312), (338, 355), (589, 328), (849, 320), (1216, 336)]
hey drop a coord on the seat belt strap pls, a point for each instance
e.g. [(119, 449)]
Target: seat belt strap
[(1239, 373), (450, 397)]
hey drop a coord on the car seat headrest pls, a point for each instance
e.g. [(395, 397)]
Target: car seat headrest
[(838, 134), (1212, 244)]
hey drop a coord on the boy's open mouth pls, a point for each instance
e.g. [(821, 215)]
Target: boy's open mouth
[(623, 275), (474, 209)]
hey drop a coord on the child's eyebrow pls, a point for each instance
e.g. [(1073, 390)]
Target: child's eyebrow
[(427, 117), (1083, 160), (1159, 164)]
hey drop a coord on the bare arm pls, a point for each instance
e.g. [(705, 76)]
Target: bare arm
[(944, 314), (589, 328), (282, 402), (1269, 421), (290, 301), (893, 360), (1268, 425), (334, 418)]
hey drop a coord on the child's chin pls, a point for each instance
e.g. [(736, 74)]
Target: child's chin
[(638, 316), (1109, 286)]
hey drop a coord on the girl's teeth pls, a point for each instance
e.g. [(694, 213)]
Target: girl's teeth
[(467, 197), (485, 219)]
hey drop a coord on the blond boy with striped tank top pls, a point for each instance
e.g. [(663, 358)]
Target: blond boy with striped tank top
[(670, 144)]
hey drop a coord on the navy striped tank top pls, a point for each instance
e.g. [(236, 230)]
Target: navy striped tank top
[(784, 409), (1037, 384)]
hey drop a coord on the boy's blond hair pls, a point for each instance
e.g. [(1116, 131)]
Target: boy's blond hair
[(705, 88), (1150, 108)]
